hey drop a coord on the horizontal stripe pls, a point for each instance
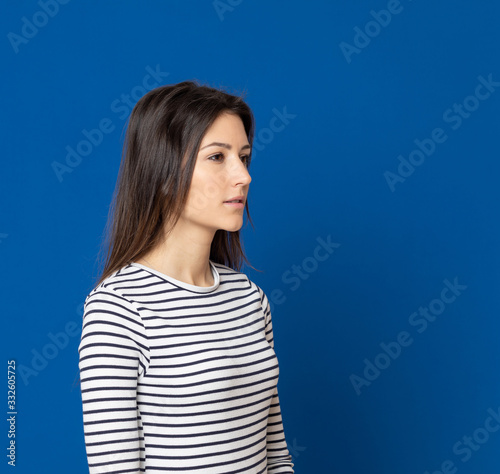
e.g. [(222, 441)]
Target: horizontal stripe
[(179, 378)]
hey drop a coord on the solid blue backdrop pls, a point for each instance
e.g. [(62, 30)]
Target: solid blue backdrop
[(374, 198)]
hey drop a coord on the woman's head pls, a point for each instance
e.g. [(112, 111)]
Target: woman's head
[(162, 146), (220, 175)]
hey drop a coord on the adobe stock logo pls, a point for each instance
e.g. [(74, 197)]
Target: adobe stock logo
[(41, 357), (468, 445), (95, 136), (223, 6), (39, 19), (454, 116), (297, 274), (278, 122), (295, 449), (363, 37), (392, 350)]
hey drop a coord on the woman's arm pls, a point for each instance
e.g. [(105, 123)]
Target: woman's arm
[(279, 459), (113, 354)]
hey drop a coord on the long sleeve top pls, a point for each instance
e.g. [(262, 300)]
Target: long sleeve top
[(180, 378)]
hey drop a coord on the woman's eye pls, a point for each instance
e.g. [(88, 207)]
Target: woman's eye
[(215, 156), (220, 156)]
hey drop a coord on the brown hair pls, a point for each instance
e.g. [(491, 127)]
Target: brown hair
[(164, 133)]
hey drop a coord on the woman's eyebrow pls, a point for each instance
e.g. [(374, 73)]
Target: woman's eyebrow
[(224, 145)]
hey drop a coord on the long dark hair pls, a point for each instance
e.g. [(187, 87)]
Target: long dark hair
[(164, 133)]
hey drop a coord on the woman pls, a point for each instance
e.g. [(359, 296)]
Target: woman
[(178, 371)]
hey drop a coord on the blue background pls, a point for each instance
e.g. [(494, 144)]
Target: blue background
[(320, 175)]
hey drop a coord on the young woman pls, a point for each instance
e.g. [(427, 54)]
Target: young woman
[(177, 366)]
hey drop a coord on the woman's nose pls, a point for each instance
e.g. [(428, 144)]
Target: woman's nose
[(239, 172)]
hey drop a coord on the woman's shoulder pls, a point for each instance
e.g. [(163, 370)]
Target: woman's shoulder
[(243, 278), (230, 274), (111, 287)]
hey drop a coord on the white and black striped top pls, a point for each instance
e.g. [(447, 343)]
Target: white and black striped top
[(180, 378)]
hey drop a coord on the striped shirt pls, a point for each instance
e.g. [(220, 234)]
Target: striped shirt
[(180, 378)]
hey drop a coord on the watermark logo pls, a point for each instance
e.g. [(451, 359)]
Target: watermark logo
[(468, 445), (221, 7), (58, 342), (39, 19), (392, 350), (277, 124), (296, 274), (94, 137), (296, 450), (454, 116), (364, 36)]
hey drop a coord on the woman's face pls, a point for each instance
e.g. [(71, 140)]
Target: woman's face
[(220, 174)]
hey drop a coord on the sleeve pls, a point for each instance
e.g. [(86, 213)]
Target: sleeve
[(113, 354), (279, 459)]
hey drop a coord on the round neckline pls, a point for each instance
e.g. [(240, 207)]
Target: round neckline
[(183, 284)]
